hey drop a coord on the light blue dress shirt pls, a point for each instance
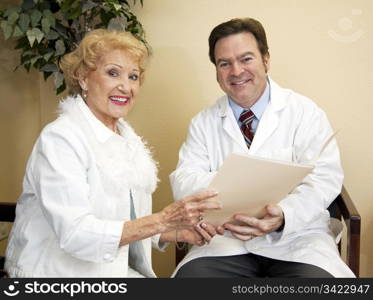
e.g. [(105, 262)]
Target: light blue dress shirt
[(258, 108)]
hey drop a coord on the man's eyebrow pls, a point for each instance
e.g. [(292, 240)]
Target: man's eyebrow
[(240, 56), (247, 53), (222, 60)]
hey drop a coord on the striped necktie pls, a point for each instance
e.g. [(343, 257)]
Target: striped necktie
[(246, 118)]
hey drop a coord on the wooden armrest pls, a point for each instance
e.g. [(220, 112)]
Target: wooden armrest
[(7, 211), (352, 219), (7, 214)]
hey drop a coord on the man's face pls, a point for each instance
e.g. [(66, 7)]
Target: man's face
[(241, 70)]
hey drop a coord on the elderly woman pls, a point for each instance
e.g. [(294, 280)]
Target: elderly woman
[(85, 210)]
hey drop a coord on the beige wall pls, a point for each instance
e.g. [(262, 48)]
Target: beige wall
[(322, 50)]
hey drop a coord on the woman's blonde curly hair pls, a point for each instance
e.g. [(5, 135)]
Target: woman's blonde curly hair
[(76, 65)]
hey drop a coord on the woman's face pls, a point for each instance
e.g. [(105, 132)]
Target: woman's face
[(112, 87)]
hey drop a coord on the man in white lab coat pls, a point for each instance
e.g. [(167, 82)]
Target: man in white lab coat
[(256, 116)]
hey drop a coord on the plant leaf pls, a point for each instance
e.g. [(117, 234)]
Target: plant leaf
[(66, 4), (13, 18), (118, 23), (58, 79), (27, 67), (35, 17), (34, 59), (27, 52), (60, 48), (117, 6), (48, 55), (34, 34), (49, 15), (7, 29), (17, 32), (51, 35), (76, 12), (28, 4), (47, 74), (45, 25), (49, 68), (31, 37), (23, 22), (61, 88), (61, 30), (11, 10), (39, 34), (88, 5)]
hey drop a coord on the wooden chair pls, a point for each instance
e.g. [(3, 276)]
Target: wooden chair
[(344, 209), (7, 214)]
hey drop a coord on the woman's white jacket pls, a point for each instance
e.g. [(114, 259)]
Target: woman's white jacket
[(76, 197)]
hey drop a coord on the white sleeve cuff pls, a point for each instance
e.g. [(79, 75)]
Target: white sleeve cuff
[(111, 241), (161, 246)]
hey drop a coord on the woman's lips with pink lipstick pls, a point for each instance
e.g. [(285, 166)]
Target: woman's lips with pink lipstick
[(119, 100)]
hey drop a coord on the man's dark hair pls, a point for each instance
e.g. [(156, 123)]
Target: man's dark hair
[(235, 26)]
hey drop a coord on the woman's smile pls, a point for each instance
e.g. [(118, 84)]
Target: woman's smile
[(119, 100)]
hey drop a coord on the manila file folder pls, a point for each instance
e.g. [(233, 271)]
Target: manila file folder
[(246, 184)]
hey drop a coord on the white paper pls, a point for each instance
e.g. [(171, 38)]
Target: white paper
[(247, 184)]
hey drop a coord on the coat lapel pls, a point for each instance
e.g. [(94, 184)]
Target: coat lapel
[(267, 125), (270, 119), (230, 125)]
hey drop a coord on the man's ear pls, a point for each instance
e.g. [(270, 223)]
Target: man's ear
[(266, 62)]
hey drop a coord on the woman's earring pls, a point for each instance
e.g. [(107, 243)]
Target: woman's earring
[(85, 94)]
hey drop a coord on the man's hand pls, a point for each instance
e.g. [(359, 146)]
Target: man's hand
[(254, 227)]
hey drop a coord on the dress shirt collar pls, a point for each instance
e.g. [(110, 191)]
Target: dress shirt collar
[(258, 107)]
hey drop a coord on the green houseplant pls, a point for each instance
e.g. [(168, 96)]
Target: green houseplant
[(45, 30)]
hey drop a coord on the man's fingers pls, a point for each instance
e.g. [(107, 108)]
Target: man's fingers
[(220, 230), (265, 225), (274, 210), (243, 237), (251, 221), (243, 230)]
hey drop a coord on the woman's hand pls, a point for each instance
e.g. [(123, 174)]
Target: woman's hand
[(188, 211), (182, 214)]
